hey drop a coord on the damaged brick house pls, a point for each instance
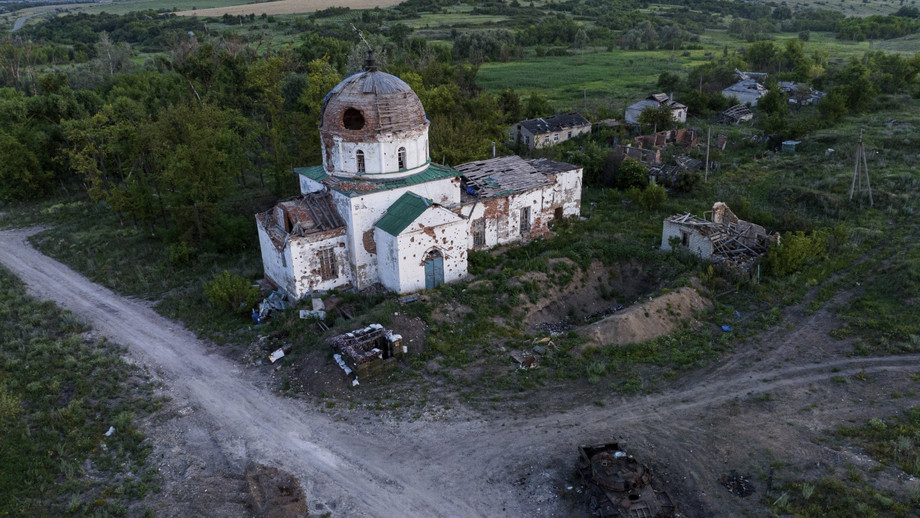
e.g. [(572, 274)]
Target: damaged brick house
[(722, 238), (379, 211)]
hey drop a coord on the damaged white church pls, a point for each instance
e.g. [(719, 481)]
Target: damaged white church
[(379, 211)]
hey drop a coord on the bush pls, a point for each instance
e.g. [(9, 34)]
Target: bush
[(231, 292), (796, 250), (650, 198)]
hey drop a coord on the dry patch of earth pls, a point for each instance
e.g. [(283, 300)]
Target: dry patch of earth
[(287, 7), (769, 404)]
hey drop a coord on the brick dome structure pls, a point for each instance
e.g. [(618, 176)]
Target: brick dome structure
[(373, 123)]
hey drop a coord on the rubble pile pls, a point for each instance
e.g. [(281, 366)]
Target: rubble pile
[(737, 484)]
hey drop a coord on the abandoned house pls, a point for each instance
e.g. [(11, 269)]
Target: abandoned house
[(723, 237), (549, 131), (379, 211), (800, 94), (748, 90), (655, 101)]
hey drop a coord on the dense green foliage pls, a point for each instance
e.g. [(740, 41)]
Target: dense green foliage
[(59, 393), (231, 293)]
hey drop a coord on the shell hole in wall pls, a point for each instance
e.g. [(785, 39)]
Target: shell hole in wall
[(353, 119)]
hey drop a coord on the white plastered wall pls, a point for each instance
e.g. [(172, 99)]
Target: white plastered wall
[(381, 156), (361, 213), (295, 268), (698, 244), (401, 258)]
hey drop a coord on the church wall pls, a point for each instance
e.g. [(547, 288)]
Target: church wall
[(413, 247), (305, 260), (361, 213), (380, 155), (276, 262)]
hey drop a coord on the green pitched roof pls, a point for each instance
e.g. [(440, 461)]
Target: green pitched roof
[(402, 213), (367, 184)]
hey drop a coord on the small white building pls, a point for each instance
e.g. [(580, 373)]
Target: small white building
[(722, 237), (378, 211), (549, 131), (655, 101)]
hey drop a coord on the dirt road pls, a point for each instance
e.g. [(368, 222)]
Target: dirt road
[(768, 402)]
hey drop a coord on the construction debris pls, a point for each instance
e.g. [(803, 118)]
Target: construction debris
[(275, 301), (724, 238), (369, 351), (619, 486), (737, 484)]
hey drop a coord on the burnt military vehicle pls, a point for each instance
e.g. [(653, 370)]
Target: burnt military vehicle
[(619, 486)]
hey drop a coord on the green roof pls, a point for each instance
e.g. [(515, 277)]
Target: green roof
[(402, 213), (366, 184)]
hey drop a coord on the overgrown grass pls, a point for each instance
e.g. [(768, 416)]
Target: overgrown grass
[(60, 391)]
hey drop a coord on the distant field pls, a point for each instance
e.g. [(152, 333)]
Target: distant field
[(614, 79), (287, 7), (849, 7)]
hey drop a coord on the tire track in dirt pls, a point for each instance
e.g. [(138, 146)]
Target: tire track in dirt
[(465, 465)]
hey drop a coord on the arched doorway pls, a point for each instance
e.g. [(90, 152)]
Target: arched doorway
[(434, 269)]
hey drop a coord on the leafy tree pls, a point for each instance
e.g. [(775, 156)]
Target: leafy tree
[(657, 119), (21, 176), (629, 173), (537, 106), (761, 55), (774, 102)]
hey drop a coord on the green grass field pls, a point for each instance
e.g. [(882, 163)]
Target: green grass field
[(613, 79)]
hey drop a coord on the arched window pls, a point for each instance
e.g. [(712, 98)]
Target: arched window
[(359, 159), (401, 158)]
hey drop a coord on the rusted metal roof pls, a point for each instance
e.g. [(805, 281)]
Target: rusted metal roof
[(502, 176)]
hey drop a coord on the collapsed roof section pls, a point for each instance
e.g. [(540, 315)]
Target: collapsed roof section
[(731, 238), (310, 214), (507, 175)]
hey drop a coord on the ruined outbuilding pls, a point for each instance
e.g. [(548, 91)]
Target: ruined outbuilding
[(368, 352), (655, 101), (748, 89), (379, 211), (549, 131), (722, 237)]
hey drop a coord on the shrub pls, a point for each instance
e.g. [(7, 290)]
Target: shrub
[(794, 251), (231, 292), (650, 198)]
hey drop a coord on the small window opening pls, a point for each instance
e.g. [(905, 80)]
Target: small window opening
[(401, 158), (479, 232), (359, 159), (353, 119), (327, 267), (525, 220), (685, 238)]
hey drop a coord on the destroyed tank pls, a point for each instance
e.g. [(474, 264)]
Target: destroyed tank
[(619, 486)]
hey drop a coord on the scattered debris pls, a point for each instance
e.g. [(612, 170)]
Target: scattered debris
[(726, 328), (275, 301), (369, 351), (723, 238), (555, 328), (737, 484), (619, 486), (736, 115), (338, 359), (597, 315), (525, 360), (277, 355), (407, 300), (317, 314), (110, 432)]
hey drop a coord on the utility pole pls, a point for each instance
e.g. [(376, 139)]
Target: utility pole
[(859, 172), (706, 173)]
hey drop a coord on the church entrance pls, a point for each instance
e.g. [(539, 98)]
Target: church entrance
[(434, 269)]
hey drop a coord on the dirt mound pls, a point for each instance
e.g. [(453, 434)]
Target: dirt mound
[(590, 291), (657, 317)]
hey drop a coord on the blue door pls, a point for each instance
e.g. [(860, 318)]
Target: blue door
[(434, 270)]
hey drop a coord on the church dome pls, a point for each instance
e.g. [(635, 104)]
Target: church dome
[(372, 123), (369, 103)]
